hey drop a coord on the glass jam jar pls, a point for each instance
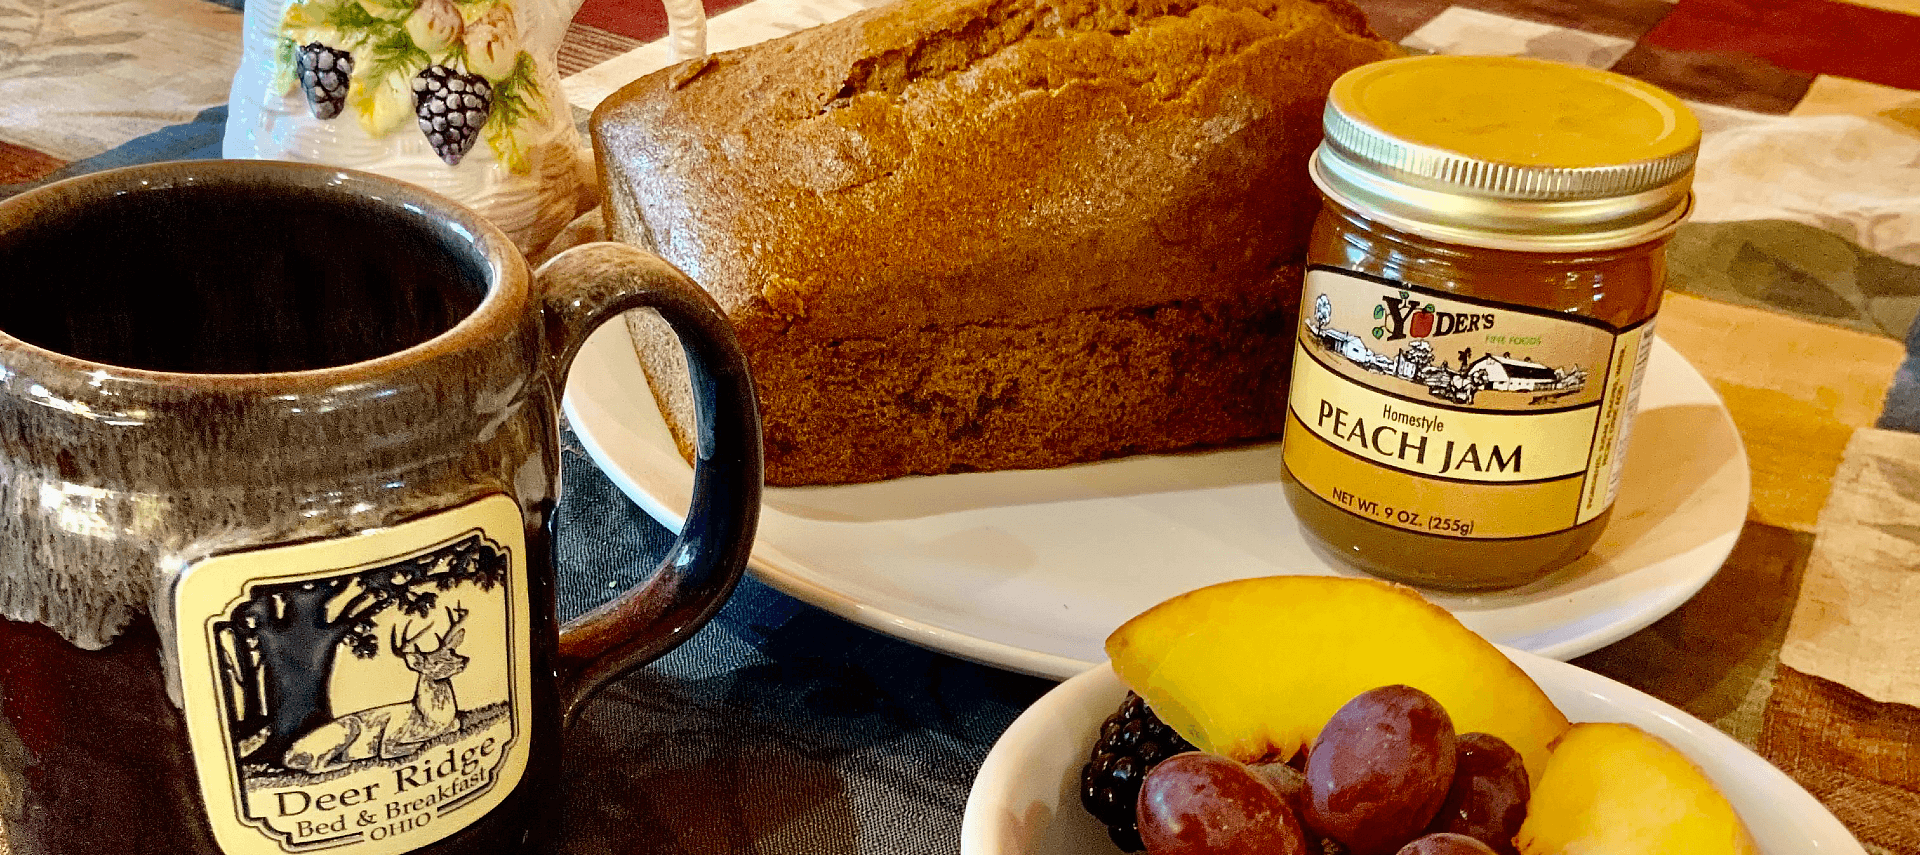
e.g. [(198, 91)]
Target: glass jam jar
[(1477, 312)]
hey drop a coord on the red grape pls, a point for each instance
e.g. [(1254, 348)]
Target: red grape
[(1206, 804), (1445, 844), (1380, 769), (1488, 800)]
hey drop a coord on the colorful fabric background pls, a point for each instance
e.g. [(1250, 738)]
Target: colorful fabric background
[(781, 729)]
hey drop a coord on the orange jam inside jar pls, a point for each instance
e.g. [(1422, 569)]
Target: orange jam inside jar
[(1478, 310)]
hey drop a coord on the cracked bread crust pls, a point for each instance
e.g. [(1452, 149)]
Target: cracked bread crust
[(870, 197)]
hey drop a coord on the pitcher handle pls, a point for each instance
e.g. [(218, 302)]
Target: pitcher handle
[(686, 29)]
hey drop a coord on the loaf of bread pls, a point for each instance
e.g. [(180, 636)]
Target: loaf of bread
[(964, 235)]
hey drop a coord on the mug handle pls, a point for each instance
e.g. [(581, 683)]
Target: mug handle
[(581, 289)]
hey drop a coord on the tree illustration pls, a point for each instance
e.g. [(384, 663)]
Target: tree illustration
[(278, 646), (1419, 354)]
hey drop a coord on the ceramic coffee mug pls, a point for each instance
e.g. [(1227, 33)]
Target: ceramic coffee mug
[(278, 456)]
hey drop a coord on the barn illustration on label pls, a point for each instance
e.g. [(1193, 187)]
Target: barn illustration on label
[(1403, 319)]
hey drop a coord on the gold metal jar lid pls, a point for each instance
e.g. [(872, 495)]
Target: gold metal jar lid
[(1508, 152)]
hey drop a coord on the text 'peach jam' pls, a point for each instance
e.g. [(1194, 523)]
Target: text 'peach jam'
[(1478, 311)]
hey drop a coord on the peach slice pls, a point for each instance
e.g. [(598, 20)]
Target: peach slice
[(1614, 789), (1254, 668)]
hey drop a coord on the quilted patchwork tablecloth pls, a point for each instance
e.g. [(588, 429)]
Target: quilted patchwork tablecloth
[(781, 729)]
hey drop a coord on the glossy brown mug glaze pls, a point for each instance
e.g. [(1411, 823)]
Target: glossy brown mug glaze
[(278, 457)]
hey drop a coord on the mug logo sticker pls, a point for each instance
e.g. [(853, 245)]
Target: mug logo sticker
[(361, 696)]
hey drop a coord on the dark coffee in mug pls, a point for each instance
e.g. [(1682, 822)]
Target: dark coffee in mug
[(225, 280), (282, 442)]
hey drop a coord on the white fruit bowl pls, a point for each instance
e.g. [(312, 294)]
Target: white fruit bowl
[(1026, 798)]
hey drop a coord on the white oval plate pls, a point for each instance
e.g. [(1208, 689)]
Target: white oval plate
[(1026, 799), (1030, 570)]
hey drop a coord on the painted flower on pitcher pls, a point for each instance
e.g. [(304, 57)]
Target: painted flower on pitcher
[(493, 43), (455, 67), (383, 103), (434, 25)]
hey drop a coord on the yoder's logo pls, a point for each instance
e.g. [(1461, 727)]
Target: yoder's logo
[(1404, 316), (1416, 362)]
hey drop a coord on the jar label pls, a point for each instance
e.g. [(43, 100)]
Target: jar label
[(365, 695), (1455, 416)]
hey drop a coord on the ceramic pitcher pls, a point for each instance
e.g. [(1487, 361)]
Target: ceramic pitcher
[(461, 97)]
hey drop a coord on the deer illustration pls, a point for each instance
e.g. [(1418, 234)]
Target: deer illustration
[(393, 731)]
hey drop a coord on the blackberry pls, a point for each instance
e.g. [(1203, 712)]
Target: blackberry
[(1132, 741), (325, 73), (452, 106)]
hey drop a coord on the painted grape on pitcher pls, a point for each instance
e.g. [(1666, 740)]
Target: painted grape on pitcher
[(455, 67)]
